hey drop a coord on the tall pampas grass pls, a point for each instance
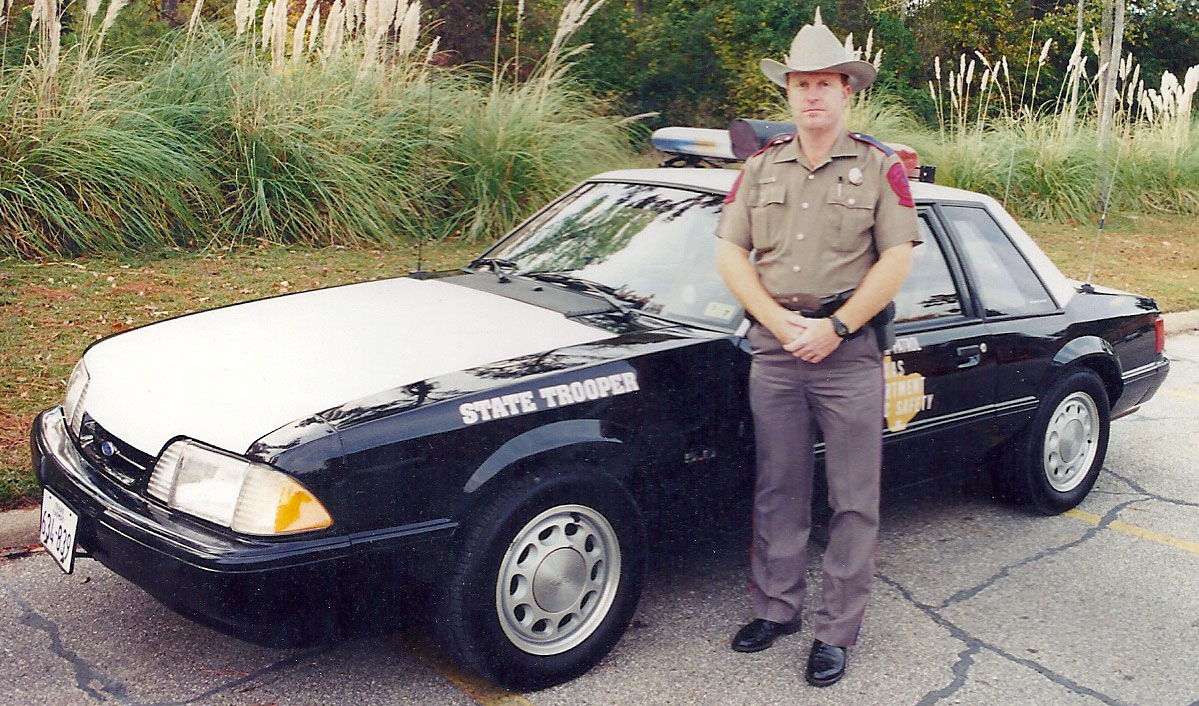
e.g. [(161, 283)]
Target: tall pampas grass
[(298, 37), (244, 138), (1044, 160), (556, 61)]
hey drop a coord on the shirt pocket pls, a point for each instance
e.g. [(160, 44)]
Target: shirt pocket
[(767, 214), (850, 216), (771, 194)]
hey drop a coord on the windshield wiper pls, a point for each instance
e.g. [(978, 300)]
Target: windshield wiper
[(497, 265), (619, 300)]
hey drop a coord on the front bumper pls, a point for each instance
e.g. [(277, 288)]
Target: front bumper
[(270, 592)]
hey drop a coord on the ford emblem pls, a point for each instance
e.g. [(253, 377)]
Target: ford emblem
[(108, 449)]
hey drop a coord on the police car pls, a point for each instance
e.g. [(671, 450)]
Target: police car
[(495, 437)]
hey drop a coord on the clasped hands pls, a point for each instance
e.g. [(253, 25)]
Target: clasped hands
[(810, 340)]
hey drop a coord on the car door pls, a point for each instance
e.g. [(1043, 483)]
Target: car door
[(940, 372), (1024, 322)]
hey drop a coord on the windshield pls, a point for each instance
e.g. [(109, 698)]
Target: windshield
[(652, 246)]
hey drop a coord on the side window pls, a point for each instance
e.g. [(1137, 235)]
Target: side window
[(1007, 285), (928, 292)]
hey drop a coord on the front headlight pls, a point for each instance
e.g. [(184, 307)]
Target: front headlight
[(72, 403), (234, 492)]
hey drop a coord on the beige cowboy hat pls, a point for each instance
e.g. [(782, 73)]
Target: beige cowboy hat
[(816, 50)]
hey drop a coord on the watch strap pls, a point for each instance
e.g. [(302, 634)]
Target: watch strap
[(839, 327)]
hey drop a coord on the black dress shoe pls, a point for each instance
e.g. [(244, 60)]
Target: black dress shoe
[(826, 664), (759, 634)]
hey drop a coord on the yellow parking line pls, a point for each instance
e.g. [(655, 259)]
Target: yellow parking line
[(1176, 393), (1124, 527), (484, 692)]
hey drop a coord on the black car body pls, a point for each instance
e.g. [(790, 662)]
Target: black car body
[(587, 364)]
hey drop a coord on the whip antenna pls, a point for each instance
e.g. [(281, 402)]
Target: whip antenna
[(420, 238), (1105, 202)]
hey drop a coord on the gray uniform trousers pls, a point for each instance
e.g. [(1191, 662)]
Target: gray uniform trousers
[(843, 395)]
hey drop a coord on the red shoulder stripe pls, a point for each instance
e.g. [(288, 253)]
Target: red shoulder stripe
[(732, 195), (778, 140), (863, 137)]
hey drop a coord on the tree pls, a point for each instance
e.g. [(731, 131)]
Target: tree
[(1111, 42)]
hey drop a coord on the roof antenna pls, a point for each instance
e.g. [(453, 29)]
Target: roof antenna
[(419, 272), (1107, 197)]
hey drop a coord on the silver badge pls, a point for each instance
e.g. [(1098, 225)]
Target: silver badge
[(855, 176)]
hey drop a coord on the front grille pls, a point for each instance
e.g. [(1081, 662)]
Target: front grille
[(113, 457)]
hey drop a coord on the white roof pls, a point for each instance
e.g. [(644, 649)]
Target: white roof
[(721, 180)]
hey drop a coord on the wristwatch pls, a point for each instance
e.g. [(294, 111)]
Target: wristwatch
[(840, 328)]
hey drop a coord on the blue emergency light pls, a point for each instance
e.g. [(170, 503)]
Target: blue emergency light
[(694, 145)]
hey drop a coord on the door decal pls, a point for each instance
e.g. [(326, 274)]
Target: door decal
[(905, 396)]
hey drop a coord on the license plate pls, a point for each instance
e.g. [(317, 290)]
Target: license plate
[(58, 530)]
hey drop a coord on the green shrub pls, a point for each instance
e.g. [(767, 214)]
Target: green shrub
[(221, 140)]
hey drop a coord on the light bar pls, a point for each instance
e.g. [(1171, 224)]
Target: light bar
[(694, 142), (748, 136)]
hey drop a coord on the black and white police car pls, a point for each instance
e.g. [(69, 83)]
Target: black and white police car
[(286, 469)]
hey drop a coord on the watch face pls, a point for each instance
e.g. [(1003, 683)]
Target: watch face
[(841, 329)]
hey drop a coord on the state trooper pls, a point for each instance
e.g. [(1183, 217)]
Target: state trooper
[(815, 240)]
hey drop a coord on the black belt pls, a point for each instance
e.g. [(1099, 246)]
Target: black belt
[(813, 306)]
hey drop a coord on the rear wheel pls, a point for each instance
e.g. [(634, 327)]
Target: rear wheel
[(545, 580), (1058, 459)]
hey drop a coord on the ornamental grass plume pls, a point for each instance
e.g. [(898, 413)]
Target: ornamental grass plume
[(46, 18), (335, 30), (314, 30), (114, 7), (379, 14), (355, 16), (409, 30), (268, 22), (194, 20), (556, 61), (279, 34), (298, 37), (241, 16)]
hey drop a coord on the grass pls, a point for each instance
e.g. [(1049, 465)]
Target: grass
[(49, 312), (204, 140), (1155, 255)]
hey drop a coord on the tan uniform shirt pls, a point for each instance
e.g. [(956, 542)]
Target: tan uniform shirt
[(817, 230)]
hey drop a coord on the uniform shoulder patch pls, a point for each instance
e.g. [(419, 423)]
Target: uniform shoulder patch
[(898, 179), (873, 142)]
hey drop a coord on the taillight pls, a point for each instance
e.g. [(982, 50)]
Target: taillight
[(1159, 334)]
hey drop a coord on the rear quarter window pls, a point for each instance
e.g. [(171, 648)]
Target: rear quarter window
[(1004, 281)]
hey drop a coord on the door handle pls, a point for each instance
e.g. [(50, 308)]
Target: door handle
[(970, 356)]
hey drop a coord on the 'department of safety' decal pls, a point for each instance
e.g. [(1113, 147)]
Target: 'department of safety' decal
[(905, 397)]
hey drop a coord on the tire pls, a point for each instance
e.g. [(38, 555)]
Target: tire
[(544, 580), (1058, 458)]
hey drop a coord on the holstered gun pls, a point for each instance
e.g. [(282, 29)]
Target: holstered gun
[(884, 327)]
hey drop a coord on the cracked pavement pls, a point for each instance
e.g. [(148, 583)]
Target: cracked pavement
[(975, 602)]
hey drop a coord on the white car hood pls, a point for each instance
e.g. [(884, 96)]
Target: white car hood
[(227, 377)]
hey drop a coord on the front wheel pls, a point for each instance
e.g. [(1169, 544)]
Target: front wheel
[(546, 578), (1059, 458)]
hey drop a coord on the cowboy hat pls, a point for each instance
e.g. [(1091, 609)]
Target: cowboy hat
[(816, 50)]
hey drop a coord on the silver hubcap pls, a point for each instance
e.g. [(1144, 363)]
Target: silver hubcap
[(558, 579), (1070, 442)]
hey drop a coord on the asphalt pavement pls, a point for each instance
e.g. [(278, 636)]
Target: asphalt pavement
[(974, 602)]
